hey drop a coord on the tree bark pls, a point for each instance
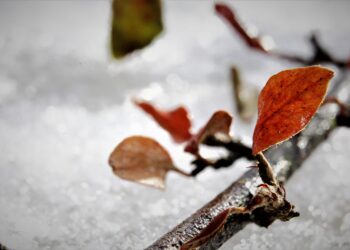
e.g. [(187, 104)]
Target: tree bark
[(286, 159)]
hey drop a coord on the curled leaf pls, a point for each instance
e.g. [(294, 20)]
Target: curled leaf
[(287, 103), (219, 123), (176, 121), (214, 226), (135, 23), (142, 160), (228, 14)]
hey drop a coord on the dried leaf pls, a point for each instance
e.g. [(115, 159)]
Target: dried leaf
[(220, 122), (176, 121), (246, 97), (142, 160), (228, 14), (214, 226), (135, 23), (287, 103)]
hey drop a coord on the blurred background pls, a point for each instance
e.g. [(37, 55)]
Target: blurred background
[(65, 103)]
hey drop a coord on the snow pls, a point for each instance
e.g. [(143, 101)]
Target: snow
[(319, 191), (64, 105)]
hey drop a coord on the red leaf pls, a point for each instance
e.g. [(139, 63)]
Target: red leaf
[(176, 121), (229, 15), (142, 160), (219, 122), (287, 103)]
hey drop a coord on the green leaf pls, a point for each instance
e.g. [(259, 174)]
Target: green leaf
[(135, 23)]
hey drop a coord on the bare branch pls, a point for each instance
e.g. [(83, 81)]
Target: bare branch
[(2, 247)]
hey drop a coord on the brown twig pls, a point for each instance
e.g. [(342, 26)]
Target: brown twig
[(285, 160), (2, 247), (235, 149), (237, 89), (268, 204), (343, 116), (245, 99), (320, 55)]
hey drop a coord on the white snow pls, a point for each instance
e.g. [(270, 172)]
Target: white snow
[(64, 106)]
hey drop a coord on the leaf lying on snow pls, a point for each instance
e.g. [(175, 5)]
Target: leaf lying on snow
[(219, 123), (287, 103), (135, 23), (143, 160), (176, 121)]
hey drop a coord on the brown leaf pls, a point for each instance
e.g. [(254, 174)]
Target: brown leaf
[(176, 121), (220, 122), (287, 103), (214, 226), (143, 160), (135, 23)]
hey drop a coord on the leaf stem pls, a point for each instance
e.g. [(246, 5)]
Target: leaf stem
[(235, 149), (179, 171), (265, 170)]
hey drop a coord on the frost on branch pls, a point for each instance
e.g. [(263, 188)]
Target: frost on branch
[(286, 105)]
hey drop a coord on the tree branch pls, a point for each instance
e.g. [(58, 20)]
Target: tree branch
[(2, 247), (286, 159)]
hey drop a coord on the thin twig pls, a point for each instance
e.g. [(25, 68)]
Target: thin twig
[(235, 149), (320, 55)]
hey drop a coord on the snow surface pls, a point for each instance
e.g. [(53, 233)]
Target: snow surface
[(64, 105)]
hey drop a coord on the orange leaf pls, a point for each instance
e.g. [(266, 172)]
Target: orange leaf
[(176, 121), (143, 160), (219, 122), (287, 103)]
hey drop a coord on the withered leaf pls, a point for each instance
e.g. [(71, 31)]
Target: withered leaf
[(228, 14), (135, 23), (220, 122), (214, 226), (142, 160), (287, 103), (176, 121)]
